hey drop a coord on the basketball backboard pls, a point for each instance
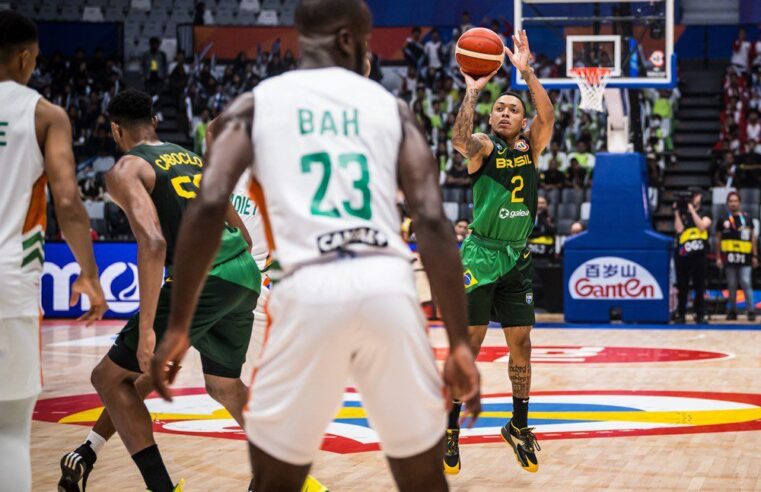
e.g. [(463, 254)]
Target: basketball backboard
[(634, 39)]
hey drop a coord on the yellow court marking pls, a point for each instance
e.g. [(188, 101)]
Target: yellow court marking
[(689, 417), (93, 414)]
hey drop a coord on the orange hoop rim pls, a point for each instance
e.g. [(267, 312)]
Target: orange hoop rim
[(593, 75)]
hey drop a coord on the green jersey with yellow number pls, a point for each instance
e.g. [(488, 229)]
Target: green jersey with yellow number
[(178, 178), (505, 192)]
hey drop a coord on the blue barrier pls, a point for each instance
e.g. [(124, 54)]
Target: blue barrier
[(620, 263), (118, 276)]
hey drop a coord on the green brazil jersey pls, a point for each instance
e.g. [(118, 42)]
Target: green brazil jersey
[(178, 178), (505, 193)]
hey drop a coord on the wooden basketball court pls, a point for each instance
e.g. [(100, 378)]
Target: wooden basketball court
[(620, 408)]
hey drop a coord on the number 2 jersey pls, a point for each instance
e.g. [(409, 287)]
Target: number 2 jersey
[(178, 179), (326, 143), (505, 192)]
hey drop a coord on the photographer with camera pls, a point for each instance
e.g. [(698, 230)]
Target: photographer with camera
[(691, 227), (739, 254)]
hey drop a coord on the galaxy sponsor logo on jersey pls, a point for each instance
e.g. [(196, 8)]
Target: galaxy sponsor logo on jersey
[(554, 414), (506, 213), (611, 277), (339, 240)]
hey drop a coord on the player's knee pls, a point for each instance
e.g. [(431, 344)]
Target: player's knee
[(97, 377), (521, 348), (221, 393), (101, 378)]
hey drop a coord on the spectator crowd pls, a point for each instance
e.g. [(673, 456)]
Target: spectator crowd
[(199, 89), (737, 152)]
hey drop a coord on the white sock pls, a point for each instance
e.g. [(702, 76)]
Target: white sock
[(96, 441)]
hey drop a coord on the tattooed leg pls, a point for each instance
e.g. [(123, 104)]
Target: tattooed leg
[(519, 370)]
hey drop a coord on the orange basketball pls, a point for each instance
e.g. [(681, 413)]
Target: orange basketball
[(479, 51)]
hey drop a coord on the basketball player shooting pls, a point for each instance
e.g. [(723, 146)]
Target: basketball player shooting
[(497, 262), (328, 150)]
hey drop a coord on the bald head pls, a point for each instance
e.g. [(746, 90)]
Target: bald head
[(333, 33), (315, 17)]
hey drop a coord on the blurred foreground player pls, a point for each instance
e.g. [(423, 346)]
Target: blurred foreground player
[(329, 150), (35, 150), (497, 262)]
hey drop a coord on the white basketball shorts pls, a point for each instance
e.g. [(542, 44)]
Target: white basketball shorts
[(20, 358), (351, 322), (259, 330)]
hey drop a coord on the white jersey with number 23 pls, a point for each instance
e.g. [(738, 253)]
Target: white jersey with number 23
[(326, 143)]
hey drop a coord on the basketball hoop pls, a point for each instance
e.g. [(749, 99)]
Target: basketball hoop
[(591, 82)]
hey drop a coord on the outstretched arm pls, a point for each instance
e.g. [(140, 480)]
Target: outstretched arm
[(231, 153), (541, 126), (473, 146), (418, 176)]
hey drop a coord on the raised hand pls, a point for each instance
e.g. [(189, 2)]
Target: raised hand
[(522, 55), (479, 83)]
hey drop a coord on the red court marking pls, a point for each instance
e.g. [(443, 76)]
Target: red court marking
[(55, 409), (574, 354)]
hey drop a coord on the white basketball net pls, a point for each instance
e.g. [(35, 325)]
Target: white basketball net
[(591, 82)]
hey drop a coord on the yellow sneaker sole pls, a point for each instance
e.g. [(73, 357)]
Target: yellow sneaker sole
[(452, 470), (311, 484), (532, 468)]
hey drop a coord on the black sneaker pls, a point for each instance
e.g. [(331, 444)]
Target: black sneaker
[(524, 444), (75, 468), (732, 316), (680, 320), (452, 463), (752, 316), (701, 320)]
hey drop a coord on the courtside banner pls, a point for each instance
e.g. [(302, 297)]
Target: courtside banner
[(117, 263), (225, 42)]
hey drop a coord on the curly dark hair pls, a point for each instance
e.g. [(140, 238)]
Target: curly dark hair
[(131, 107)]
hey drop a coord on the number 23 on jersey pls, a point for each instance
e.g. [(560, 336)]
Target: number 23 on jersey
[(321, 162)]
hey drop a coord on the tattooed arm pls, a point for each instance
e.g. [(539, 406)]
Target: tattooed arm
[(541, 126), (473, 146)]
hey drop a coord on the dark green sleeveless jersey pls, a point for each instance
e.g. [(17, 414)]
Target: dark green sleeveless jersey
[(505, 192), (178, 177)]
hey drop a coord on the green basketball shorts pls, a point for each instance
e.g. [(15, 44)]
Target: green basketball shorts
[(499, 284), (220, 330)]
